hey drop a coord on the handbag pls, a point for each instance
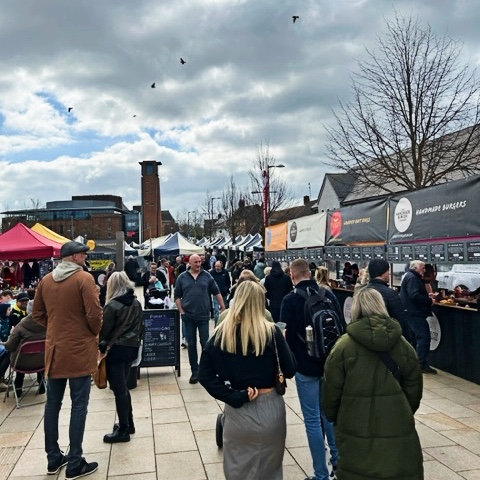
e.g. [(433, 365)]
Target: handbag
[(280, 380), (100, 374)]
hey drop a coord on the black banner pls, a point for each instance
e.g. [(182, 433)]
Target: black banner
[(359, 223), (440, 212)]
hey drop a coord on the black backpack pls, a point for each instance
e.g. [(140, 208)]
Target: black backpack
[(323, 315)]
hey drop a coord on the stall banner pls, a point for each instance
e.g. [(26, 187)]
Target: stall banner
[(276, 237), (308, 231), (360, 223), (444, 211)]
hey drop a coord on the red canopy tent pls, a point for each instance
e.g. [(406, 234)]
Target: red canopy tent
[(21, 243)]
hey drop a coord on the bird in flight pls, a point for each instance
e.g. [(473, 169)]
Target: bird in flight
[(70, 109), (134, 115), (295, 18), (182, 61), (153, 85)]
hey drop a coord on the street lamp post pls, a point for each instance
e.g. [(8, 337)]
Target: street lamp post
[(266, 192)]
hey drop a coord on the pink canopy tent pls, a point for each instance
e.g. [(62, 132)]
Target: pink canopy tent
[(21, 243)]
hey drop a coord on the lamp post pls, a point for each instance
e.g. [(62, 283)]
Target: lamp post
[(188, 223), (266, 192), (211, 218)]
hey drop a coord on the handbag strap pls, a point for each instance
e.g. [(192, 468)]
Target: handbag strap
[(392, 365), (276, 349), (120, 328)]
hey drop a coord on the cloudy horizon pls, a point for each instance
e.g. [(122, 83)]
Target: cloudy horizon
[(251, 76)]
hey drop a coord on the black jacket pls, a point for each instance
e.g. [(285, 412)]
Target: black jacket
[(131, 269), (394, 304), (115, 313), (292, 313), (222, 279), (146, 280), (414, 295), (278, 284)]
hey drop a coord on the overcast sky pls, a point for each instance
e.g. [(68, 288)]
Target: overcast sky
[(251, 76)]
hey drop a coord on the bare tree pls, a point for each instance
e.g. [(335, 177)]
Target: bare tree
[(264, 165), (233, 209), (413, 120)]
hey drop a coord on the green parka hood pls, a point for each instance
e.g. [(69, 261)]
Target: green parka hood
[(376, 333)]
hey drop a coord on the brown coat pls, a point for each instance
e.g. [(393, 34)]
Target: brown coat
[(71, 312)]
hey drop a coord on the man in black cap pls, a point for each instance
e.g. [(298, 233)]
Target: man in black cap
[(19, 310), (379, 273), (67, 304)]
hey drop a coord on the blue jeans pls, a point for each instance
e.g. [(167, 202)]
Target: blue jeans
[(216, 307), (310, 393), (191, 326), (79, 394), (421, 330)]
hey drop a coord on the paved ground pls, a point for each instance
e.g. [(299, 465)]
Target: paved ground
[(175, 437)]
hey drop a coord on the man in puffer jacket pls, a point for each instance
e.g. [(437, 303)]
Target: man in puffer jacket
[(277, 284)]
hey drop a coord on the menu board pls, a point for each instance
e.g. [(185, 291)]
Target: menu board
[(346, 253), (421, 252), (406, 253), (356, 254), (473, 251), (319, 254), (455, 252), (393, 253), (379, 252), (161, 340), (367, 253), (328, 253), (437, 252), (337, 253)]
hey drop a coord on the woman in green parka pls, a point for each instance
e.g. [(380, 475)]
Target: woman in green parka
[(373, 412)]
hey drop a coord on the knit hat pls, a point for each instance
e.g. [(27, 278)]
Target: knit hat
[(377, 267)]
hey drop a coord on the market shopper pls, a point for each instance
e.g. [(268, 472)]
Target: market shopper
[(192, 296), (373, 412), (122, 325), (242, 351), (418, 303), (67, 305)]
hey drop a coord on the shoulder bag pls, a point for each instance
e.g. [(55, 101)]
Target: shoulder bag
[(100, 374)]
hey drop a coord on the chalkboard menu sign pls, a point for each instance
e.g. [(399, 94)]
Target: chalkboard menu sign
[(356, 253), (421, 252), (473, 251), (367, 253), (328, 253), (393, 253), (379, 252), (346, 253), (319, 253), (337, 253), (437, 252), (456, 252), (406, 253), (161, 340)]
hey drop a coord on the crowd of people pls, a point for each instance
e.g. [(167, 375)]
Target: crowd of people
[(259, 323)]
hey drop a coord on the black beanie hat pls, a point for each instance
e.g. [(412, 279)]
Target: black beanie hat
[(377, 267)]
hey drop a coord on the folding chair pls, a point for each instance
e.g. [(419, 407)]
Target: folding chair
[(29, 360)]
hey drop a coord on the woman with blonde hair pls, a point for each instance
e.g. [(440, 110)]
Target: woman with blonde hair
[(322, 277), (120, 338), (243, 352), (373, 411)]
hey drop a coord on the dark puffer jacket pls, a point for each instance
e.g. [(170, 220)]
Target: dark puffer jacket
[(115, 313), (373, 414)]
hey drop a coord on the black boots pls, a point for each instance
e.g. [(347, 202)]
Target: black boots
[(119, 435)]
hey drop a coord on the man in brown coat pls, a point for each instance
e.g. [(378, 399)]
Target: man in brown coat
[(67, 304)]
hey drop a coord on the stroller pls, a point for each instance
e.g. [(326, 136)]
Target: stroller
[(156, 299)]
